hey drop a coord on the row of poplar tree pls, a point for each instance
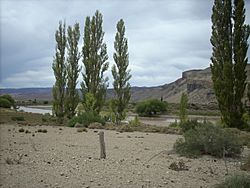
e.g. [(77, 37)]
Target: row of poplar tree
[(95, 64)]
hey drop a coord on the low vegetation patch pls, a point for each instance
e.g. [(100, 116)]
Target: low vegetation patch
[(150, 107), (85, 119), (18, 118), (236, 181), (42, 130), (21, 130), (246, 165), (178, 166), (209, 140), (82, 129)]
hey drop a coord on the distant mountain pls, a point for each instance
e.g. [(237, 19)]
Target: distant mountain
[(197, 84)]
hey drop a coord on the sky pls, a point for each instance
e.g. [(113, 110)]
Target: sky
[(165, 37)]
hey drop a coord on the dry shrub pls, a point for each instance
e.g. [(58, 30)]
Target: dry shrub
[(82, 129), (246, 165)]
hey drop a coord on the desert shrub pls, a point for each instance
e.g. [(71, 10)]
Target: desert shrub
[(27, 132), (178, 166), (135, 121), (82, 129), (235, 181), (210, 140), (189, 124), (243, 135), (150, 107), (174, 124), (95, 125), (21, 130), (17, 118), (246, 165), (246, 121), (5, 103), (86, 119), (125, 128), (42, 130)]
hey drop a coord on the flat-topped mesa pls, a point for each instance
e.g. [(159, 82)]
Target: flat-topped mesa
[(200, 74), (205, 74)]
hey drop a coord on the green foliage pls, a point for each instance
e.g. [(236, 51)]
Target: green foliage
[(73, 69), (9, 98), (248, 91), (135, 122), (189, 124), (229, 59), (95, 63), (59, 68), (85, 119), (183, 108), (17, 118), (235, 181), (120, 74), (209, 140), (150, 107), (5, 103), (89, 102)]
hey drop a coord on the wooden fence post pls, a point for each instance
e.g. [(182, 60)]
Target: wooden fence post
[(102, 145)]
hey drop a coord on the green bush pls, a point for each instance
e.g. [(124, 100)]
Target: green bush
[(86, 119), (9, 98), (18, 118), (150, 107), (209, 140), (5, 103), (135, 121), (236, 181), (189, 124)]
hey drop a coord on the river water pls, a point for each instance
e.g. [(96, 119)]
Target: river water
[(163, 120), (35, 110)]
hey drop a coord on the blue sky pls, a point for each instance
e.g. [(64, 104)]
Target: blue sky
[(166, 37)]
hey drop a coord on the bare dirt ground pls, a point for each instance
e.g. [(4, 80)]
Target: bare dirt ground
[(63, 157)]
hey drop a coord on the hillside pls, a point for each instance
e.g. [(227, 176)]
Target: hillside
[(197, 83)]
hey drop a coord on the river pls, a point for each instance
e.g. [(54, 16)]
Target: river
[(35, 109), (163, 120)]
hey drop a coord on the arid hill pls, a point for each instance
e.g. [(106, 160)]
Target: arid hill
[(197, 83)]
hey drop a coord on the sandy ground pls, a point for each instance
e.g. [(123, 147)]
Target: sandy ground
[(62, 157)]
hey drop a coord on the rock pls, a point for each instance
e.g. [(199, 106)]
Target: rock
[(62, 174)]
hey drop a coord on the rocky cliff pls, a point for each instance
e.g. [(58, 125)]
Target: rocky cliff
[(196, 83)]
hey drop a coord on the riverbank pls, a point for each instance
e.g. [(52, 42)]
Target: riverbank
[(63, 157)]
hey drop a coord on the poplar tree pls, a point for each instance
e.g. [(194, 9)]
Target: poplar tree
[(121, 74), (95, 63), (59, 68), (229, 41), (183, 108), (72, 97)]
